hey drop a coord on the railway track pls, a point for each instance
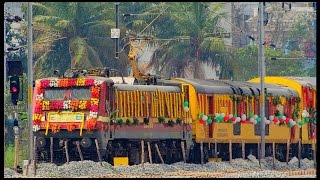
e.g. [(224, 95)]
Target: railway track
[(195, 174), (198, 174)]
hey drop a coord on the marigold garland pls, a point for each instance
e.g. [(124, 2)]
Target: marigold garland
[(82, 104), (89, 82), (55, 128), (72, 82), (37, 122), (71, 127), (95, 91), (90, 104), (91, 124), (80, 82), (45, 105), (74, 105), (45, 83)]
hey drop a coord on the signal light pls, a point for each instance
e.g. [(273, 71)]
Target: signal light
[(14, 89)]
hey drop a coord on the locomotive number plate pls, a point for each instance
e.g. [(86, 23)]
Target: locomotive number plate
[(66, 117)]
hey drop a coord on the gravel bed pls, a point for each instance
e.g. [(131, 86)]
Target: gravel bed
[(147, 168), (74, 169), (304, 176), (94, 169), (8, 173), (258, 174)]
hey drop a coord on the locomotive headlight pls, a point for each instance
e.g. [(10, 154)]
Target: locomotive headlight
[(41, 142), (86, 142), (68, 73)]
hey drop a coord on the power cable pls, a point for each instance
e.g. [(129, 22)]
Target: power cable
[(152, 21), (252, 38)]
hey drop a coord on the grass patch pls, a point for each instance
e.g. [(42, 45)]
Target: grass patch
[(9, 156)]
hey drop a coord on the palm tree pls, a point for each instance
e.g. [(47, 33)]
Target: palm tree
[(198, 21), (73, 34)]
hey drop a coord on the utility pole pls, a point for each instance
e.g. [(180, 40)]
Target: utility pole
[(30, 81), (262, 75), (117, 27), (4, 83)]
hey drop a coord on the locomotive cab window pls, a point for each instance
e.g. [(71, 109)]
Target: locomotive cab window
[(54, 94), (80, 93), (73, 93)]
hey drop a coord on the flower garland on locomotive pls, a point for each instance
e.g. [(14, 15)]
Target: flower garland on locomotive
[(91, 104)]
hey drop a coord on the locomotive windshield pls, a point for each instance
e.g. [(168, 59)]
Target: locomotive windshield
[(72, 93)]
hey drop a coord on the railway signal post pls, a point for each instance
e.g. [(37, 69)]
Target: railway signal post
[(262, 74), (30, 81)]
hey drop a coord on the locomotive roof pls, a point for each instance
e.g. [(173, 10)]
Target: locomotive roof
[(305, 81), (210, 86), (243, 88), (128, 87), (275, 90)]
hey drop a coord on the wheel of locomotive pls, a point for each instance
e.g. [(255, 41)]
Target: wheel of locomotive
[(195, 154), (134, 156), (306, 151), (176, 149), (224, 151), (191, 155), (236, 151), (268, 152), (43, 156), (280, 153), (109, 152), (251, 149), (206, 153)]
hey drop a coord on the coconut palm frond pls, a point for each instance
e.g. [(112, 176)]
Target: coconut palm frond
[(42, 44), (65, 10), (212, 45), (94, 57), (64, 25), (40, 64), (46, 19), (100, 28), (79, 52), (40, 9)]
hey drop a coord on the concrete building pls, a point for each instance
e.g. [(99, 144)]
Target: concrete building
[(13, 8), (280, 21), (244, 16), (241, 12)]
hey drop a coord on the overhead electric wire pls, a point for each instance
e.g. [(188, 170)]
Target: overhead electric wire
[(252, 38)]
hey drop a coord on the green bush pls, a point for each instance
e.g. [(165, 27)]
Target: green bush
[(9, 156)]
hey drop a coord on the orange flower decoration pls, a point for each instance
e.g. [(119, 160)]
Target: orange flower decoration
[(91, 124), (63, 83), (55, 128), (82, 104), (71, 127), (95, 91), (80, 82), (94, 101), (37, 116), (45, 105), (74, 105), (39, 104)]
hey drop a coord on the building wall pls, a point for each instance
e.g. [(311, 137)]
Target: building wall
[(225, 22), (241, 12), (14, 8)]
